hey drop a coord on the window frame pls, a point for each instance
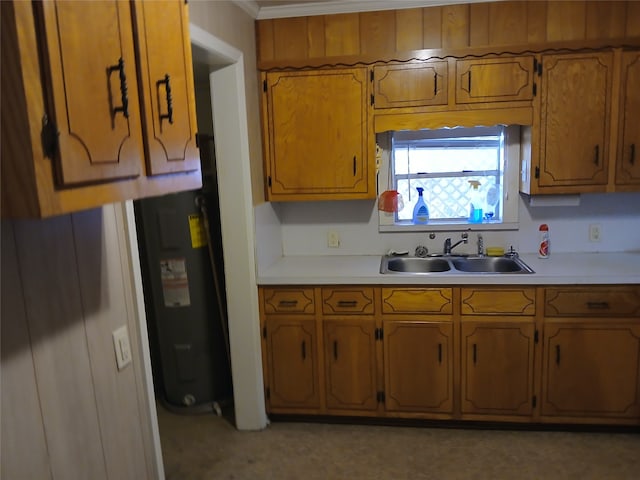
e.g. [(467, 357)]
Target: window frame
[(510, 191)]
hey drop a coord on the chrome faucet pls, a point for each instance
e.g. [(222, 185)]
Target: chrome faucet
[(447, 243)]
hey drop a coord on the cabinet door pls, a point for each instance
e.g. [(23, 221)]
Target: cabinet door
[(93, 100), (350, 358), (494, 80), (574, 119), (319, 131), (167, 87), (591, 370), (418, 369), (293, 363), (628, 166), (411, 85), (497, 367)]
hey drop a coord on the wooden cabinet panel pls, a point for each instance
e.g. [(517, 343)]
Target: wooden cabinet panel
[(166, 83), (497, 368), (605, 301), (350, 364), (591, 371), (292, 360), (289, 300), (574, 119), (418, 366), (319, 135), (628, 158), (494, 80), (93, 99), (410, 85), (347, 300), (498, 301), (404, 300)]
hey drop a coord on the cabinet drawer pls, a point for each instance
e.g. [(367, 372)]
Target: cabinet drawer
[(417, 300), (498, 301), (288, 300), (592, 301), (347, 300)]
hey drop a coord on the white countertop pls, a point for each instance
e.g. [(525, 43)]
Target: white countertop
[(559, 268)]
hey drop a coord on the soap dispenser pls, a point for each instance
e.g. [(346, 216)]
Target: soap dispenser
[(420, 211), (475, 202)]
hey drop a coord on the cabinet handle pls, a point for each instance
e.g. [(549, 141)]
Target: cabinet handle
[(335, 349), (440, 353), (469, 82), (596, 158), (124, 94), (304, 350), (435, 84), (287, 303), (632, 157), (354, 165), (475, 353), (167, 88), (598, 305), (347, 303), (557, 354)]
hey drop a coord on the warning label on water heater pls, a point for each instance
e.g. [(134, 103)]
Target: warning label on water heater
[(175, 284)]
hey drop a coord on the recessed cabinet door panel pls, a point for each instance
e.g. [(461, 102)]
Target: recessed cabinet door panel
[(167, 86), (628, 168), (591, 370), (350, 357), (575, 118), (410, 85), (497, 368), (293, 364), (494, 80), (92, 93), (418, 368), (318, 132)]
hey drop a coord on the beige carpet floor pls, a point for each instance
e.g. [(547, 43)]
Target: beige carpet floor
[(203, 447)]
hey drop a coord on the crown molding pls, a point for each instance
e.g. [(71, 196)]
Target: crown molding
[(249, 6), (347, 6)]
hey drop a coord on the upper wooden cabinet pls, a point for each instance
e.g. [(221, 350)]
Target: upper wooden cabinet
[(628, 152), (97, 98), (506, 79), (583, 138), (318, 135), (410, 85)]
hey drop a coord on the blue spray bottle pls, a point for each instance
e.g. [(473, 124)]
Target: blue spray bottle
[(420, 211)]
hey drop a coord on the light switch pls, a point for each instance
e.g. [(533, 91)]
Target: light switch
[(122, 347)]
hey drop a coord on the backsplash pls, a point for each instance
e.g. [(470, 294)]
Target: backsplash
[(303, 228)]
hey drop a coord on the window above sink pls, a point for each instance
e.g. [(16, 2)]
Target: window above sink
[(454, 166)]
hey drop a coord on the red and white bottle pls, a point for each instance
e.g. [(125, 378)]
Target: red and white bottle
[(543, 243)]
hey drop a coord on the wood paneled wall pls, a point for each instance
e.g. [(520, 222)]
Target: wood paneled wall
[(383, 34), (67, 412)]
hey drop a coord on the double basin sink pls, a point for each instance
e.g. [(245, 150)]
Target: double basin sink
[(453, 264)]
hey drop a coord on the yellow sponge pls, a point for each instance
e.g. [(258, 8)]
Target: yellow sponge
[(495, 251)]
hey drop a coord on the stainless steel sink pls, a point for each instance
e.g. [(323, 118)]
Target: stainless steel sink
[(452, 265), (414, 265), (491, 265)]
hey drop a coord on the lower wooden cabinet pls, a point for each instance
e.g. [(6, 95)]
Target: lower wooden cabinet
[(350, 364), (418, 366), (497, 368), (557, 354), (292, 363), (591, 371)]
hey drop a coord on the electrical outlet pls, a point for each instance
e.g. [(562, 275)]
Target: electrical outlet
[(333, 239), (122, 347), (594, 232)]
